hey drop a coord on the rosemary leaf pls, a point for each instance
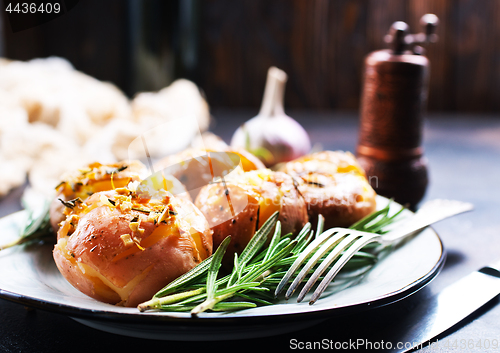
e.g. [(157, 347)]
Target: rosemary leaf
[(321, 224), (282, 244), (254, 299), (303, 238), (213, 270), (362, 223), (259, 239), (229, 306), (260, 270), (235, 273), (274, 240), (235, 288), (188, 277), (157, 303)]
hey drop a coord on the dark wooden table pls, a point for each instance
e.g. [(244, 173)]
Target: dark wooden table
[(464, 163)]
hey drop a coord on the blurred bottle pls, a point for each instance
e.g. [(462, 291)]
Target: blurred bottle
[(163, 42)]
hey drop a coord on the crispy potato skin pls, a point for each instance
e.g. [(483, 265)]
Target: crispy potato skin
[(195, 173), (236, 215), (333, 184), (96, 260), (249, 201)]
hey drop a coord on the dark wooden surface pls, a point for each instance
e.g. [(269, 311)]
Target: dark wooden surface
[(464, 164), (227, 46)]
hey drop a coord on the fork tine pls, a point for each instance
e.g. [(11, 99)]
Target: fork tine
[(361, 242), (335, 252), (430, 213), (346, 249), (302, 257), (325, 247)]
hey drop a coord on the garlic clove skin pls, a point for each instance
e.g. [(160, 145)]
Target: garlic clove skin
[(272, 131), (282, 136)]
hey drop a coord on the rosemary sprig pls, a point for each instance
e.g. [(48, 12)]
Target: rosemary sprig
[(213, 270), (36, 228), (257, 271)]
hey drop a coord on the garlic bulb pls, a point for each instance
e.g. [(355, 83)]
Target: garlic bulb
[(272, 135)]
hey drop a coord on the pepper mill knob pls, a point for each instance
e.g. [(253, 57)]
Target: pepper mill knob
[(392, 105), (397, 36), (430, 22), (400, 40)]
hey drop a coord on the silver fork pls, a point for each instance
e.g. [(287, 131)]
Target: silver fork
[(344, 243)]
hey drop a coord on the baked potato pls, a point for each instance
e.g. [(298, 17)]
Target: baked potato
[(121, 249), (195, 167), (334, 185), (241, 204)]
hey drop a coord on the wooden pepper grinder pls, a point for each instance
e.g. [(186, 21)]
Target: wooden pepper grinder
[(392, 105)]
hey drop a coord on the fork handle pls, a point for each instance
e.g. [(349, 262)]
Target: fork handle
[(431, 212)]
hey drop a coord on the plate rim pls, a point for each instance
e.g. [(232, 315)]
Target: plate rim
[(144, 318)]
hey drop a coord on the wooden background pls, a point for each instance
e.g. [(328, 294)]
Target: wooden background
[(226, 47)]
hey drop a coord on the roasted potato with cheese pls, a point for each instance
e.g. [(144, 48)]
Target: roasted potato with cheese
[(334, 185), (121, 249), (241, 204), (195, 167)]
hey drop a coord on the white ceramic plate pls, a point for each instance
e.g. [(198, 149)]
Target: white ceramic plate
[(29, 276)]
